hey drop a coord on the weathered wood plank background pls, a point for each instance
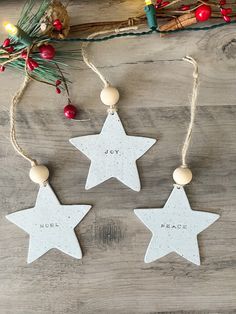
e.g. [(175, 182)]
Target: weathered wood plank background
[(154, 87)]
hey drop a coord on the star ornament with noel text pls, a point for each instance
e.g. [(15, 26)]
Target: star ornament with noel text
[(175, 227), (50, 225), (113, 154)]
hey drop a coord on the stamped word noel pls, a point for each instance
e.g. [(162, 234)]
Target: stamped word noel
[(49, 225)]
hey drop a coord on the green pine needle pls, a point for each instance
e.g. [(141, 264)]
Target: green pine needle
[(31, 15)]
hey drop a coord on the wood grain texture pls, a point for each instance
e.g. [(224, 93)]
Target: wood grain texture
[(154, 87)]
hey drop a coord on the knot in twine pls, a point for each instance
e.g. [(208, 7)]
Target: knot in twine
[(112, 109)]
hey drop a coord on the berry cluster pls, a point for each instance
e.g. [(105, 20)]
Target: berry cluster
[(203, 12)]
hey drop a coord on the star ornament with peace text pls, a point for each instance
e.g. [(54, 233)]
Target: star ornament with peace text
[(113, 154), (175, 227), (50, 225)]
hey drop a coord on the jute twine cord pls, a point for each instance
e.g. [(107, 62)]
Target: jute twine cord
[(88, 62), (193, 106), (15, 100)]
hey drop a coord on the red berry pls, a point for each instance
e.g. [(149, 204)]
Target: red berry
[(164, 4), (158, 4), (34, 63), (226, 11), (227, 19), (223, 11), (222, 2), (31, 64), (2, 68), (58, 82), (6, 42), (47, 52), (58, 91), (70, 111), (203, 13), (56, 22), (58, 28), (10, 49), (57, 25), (24, 54), (185, 7)]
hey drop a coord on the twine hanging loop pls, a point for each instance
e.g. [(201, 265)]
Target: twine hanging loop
[(183, 175), (109, 94), (193, 106)]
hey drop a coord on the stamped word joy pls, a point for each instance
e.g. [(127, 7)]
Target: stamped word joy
[(112, 152)]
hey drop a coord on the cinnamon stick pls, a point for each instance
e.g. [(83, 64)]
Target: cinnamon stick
[(183, 21)]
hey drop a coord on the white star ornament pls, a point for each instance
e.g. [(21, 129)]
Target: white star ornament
[(113, 154), (175, 227), (50, 225)]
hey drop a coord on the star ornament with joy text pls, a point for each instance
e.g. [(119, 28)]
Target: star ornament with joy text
[(113, 154), (50, 225), (175, 227)]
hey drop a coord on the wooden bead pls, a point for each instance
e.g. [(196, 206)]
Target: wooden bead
[(182, 175), (110, 96), (39, 174)]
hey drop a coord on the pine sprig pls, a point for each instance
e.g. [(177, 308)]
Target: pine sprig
[(47, 71)]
